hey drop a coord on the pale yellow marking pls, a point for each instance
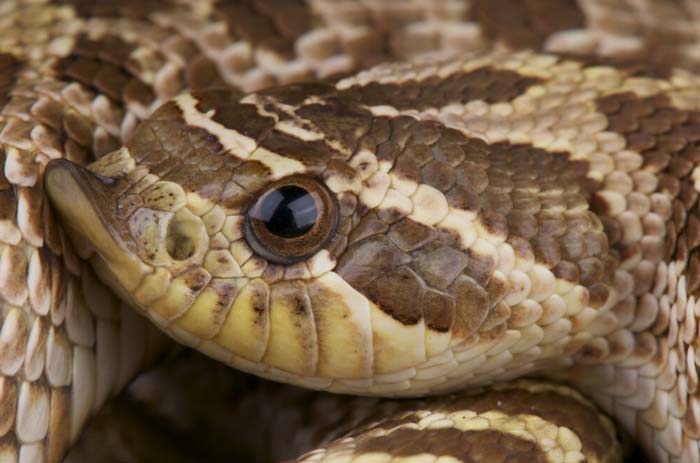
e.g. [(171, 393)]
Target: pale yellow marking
[(238, 144), (429, 205), (294, 125), (205, 317), (153, 286), (293, 344), (396, 346), (320, 263), (233, 227), (198, 205), (375, 188), (461, 223), (164, 196), (221, 264), (436, 342), (176, 300), (149, 228), (240, 251), (246, 330), (280, 166), (344, 328), (393, 200)]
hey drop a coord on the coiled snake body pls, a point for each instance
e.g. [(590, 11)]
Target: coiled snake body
[(516, 195)]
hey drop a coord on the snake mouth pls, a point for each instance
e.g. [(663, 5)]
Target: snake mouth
[(81, 200)]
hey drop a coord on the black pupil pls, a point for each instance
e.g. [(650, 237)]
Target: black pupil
[(288, 212)]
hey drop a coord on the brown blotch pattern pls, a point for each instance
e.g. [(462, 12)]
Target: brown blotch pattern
[(487, 84), (526, 196), (229, 112), (397, 434), (67, 131), (313, 154), (103, 65), (272, 24), (136, 9), (465, 446), (555, 408), (339, 120), (526, 24), (9, 65), (195, 159), (669, 140), (632, 66)]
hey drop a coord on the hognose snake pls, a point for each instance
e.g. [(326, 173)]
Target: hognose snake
[(517, 195)]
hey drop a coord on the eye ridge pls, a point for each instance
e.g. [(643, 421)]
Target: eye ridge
[(274, 240)]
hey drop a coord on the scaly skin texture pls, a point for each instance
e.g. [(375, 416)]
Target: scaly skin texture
[(501, 212)]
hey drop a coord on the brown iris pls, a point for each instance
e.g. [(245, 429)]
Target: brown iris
[(291, 220)]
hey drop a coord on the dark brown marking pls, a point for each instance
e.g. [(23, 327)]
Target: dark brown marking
[(439, 264), (438, 174), (136, 9), (409, 235), (243, 118), (102, 64), (400, 294), (518, 194), (251, 176), (482, 446), (485, 83), (438, 311), (9, 66), (369, 226), (339, 120), (8, 203), (585, 421), (480, 267), (272, 24), (295, 94), (526, 24), (201, 72), (560, 409), (472, 305), (313, 154), (165, 134), (668, 138), (366, 260)]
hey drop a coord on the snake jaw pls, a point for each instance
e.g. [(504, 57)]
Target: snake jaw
[(81, 198)]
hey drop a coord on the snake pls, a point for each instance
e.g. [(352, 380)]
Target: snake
[(481, 213)]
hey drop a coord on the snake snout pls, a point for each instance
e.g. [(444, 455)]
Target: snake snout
[(84, 202), (76, 194)]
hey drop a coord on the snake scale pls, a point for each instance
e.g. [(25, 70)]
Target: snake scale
[(426, 200)]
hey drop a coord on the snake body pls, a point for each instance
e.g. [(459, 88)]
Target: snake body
[(515, 194)]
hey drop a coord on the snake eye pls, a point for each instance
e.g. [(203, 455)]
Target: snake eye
[(291, 220)]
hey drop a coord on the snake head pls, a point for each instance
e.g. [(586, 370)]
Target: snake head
[(303, 235)]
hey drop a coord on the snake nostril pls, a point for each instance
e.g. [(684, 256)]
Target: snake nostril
[(180, 247), (182, 238)]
